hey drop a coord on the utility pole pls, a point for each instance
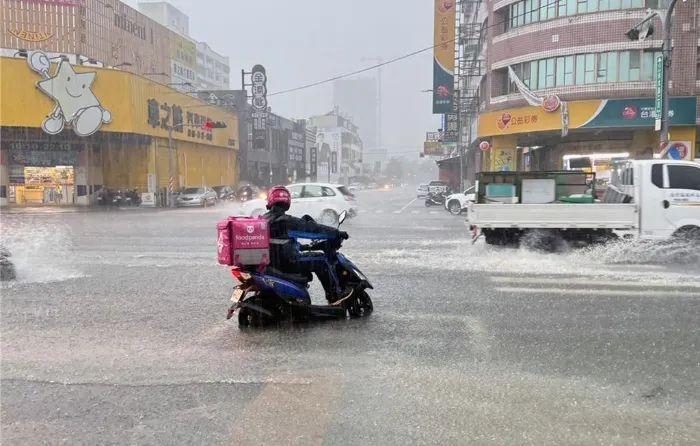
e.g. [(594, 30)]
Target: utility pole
[(667, 50), (639, 32)]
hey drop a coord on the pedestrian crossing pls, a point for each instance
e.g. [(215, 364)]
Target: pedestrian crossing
[(669, 285)]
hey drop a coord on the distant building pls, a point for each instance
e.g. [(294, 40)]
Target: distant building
[(193, 65), (339, 147), (167, 15), (359, 99), (213, 69)]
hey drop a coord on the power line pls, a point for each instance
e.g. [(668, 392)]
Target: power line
[(405, 56)]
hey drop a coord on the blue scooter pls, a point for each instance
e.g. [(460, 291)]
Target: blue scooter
[(263, 298)]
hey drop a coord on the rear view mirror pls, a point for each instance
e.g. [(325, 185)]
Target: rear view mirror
[(341, 218)]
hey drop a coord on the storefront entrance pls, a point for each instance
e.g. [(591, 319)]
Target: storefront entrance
[(37, 186)]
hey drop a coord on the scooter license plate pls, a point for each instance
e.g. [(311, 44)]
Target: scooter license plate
[(238, 294)]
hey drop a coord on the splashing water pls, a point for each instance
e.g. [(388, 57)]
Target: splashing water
[(39, 251)]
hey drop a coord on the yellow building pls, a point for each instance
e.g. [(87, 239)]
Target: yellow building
[(596, 132), (105, 128)]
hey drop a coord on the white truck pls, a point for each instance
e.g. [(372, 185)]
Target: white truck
[(651, 199)]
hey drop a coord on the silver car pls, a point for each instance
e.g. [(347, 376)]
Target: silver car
[(196, 196)]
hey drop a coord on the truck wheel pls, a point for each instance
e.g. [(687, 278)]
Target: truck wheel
[(688, 233), (545, 240), (454, 207)]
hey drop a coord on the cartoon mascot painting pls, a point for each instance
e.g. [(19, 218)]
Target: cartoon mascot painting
[(76, 104)]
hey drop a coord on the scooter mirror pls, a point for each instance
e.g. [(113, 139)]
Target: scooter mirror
[(341, 217)]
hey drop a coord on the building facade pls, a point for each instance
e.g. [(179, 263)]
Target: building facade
[(102, 32), (213, 70), (167, 15), (597, 85), (340, 147), (67, 131)]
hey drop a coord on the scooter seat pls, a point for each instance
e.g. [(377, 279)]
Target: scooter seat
[(291, 277)]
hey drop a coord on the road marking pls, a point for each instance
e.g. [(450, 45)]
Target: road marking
[(409, 203), (415, 212), (289, 414), (591, 281), (597, 292), (433, 212)]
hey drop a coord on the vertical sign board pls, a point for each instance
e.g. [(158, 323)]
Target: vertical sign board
[(258, 80), (443, 56), (659, 97), (312, 162)]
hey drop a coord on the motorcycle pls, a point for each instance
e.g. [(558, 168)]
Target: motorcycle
[(263, 298), (435, 199)]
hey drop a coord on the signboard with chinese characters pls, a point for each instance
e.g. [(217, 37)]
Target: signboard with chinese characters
[(258, 79), (642, 113), (659, 93), (432, 148), (312, 161), (451, 132), (443, 56)]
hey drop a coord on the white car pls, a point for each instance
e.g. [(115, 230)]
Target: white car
[(422, 190), (457, 203), (322, 201)]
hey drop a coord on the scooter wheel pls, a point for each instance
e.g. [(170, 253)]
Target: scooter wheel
[(360, 304)]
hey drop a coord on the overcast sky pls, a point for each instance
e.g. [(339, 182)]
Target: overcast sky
[(301, 41)]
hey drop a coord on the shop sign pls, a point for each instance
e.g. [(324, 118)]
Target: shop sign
[(504, 160), (642, 113), (451, 133), (171, 116), (75, 103), (432, 148), (432, 136), (659, 94), (42, 145), (312, 160), (677, 150), (258, 78), (30, 36), (44, 158), (443, 55), (484, 146), (551, 103), (508, 120)]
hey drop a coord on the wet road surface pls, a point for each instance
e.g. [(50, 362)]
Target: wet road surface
[(116, 333)]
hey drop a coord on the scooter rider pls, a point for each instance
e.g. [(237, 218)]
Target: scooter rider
[(284, 256)]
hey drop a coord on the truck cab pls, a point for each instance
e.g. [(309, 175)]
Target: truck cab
[(667, 194)]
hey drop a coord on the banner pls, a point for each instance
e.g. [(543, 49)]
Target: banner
[(432, 148), (443, 56)]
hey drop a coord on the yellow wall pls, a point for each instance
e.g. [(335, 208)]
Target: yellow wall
[(124, 94)]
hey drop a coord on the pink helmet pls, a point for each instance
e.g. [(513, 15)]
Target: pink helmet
[(279, 195)]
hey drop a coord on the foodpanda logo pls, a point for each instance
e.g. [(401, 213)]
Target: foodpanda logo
[(249, 229)]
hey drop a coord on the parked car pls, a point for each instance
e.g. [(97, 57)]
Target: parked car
[(196, 196), (322, 201), (422, 190), (437, 186), (459, 202), (224, 192)]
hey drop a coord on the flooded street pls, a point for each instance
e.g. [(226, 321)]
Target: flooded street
[(115, 332)]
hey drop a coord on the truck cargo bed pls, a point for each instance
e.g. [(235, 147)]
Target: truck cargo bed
[(554, 215)]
